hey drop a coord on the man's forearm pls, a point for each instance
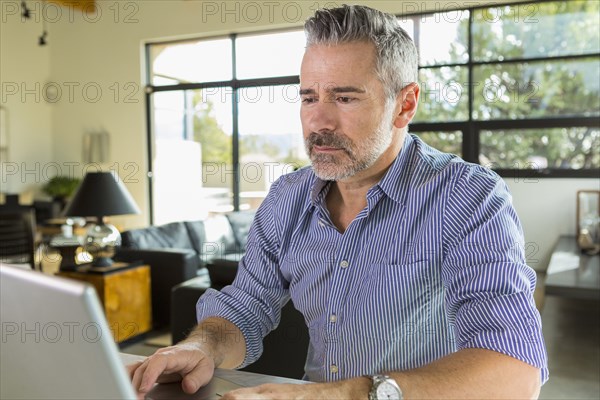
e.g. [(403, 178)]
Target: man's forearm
[(467, 374), (221, 340)]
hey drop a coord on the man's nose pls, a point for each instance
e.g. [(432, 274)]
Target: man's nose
[(321, 117)]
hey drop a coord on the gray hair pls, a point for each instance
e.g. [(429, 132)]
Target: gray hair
[(397, 59)]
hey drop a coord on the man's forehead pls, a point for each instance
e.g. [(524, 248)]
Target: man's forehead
[(339, 68)]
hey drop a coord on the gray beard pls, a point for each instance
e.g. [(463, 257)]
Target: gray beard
[(361, 156)]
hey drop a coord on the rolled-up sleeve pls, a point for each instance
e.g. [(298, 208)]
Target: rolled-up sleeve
[(489, 287), (254, 300)]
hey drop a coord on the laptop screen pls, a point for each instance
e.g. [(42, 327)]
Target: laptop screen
[(56, 344)]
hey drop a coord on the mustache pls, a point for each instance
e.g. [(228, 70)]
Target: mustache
[(329, 139)]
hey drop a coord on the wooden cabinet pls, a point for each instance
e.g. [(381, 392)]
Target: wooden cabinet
[(124, 292)]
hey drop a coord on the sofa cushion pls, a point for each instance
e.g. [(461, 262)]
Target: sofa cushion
[(197, 234), (219, 238), (240, 223), (173, 235), (222, 270)]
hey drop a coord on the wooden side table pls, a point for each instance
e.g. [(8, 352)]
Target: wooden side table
[(124, 291)]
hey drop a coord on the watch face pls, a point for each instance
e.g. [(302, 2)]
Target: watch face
[(387, 391)]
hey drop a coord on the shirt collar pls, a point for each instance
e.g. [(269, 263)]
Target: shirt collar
[(317, 191), (395, 180)]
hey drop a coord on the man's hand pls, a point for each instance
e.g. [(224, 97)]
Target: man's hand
[(185, 362)]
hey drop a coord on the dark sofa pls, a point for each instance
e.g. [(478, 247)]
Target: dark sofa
[(179, 251)]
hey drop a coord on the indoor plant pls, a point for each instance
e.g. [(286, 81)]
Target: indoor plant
[(60, 188)]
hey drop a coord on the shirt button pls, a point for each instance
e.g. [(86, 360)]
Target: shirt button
[(344, 264), (321, 223), (333, 318), (333, 369)]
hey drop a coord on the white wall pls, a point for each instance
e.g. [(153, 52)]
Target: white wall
[(87, 51), (546, 208), (24, 70)]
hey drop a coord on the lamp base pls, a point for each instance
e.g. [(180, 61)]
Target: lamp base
[(101, 241), (102, 262)]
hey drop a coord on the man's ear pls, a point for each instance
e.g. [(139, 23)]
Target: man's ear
[(406, 105)]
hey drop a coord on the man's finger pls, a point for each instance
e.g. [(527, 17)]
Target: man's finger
[(155, 366), (196, 378), (132, 367), (138, 374)]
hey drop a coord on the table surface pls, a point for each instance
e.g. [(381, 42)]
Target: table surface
[(242, 378), (572, 273)]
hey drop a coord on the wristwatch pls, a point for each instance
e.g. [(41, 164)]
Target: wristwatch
[(384, 387)]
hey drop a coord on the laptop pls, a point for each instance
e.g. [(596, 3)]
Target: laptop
[(56, 344)]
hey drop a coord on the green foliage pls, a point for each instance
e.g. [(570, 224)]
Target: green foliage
[(258, 144), (449, 142), (523, 90), (61, 186), (215, 144)]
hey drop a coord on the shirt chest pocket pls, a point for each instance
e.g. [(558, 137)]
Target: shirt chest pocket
[(397, 297)]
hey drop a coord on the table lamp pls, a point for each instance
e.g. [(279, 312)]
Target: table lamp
[(101, 194)]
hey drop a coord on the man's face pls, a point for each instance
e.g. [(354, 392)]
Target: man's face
[(346, 123)]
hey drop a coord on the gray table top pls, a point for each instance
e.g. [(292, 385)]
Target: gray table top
[(572, 273)]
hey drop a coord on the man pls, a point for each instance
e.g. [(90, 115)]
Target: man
[(403, 260)]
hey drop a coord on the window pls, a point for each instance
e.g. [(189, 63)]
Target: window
[(224, 122), (513, 87), (520, 82)]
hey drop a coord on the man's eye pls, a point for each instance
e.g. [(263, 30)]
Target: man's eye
[(308, 100), (344, 99)]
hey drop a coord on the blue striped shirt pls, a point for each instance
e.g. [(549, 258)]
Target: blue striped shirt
[(434, 264)]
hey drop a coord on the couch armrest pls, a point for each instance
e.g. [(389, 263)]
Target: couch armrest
[(223, 270), (184, 297), (168, 267)]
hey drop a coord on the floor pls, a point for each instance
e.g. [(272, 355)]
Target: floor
[(572, 335)]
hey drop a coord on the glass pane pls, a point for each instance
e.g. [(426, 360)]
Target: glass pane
[(278, 54), (533, 90), (271, 142), (169, 115), (443, 38), (213, 130), (444, 95), (557, 148), (191, 62), (408, 24), (536, 30), (193, 145), (448, 142)]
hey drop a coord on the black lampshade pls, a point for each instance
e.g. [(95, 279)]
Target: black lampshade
[(99, 195)]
